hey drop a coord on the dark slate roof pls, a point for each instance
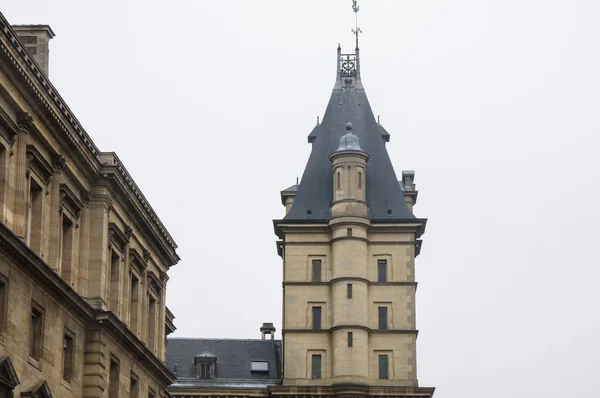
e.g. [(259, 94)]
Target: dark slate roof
[(234, 359), (385, 201)]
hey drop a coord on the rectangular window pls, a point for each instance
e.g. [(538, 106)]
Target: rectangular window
[(134, 387), (134, 303), (381, 270), (115, 273), (349, 292), (151, 323), (359, 180), (317, 270), (316, 366), (65, 254), (68, 356), (339, 180), (316, 317), (349, 232), (383, 312), (113, 379), (3, 303), (350, 339), (383, 367), (36, 333), (34, 215)]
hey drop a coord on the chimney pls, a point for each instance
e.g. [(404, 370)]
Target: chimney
[(35, 38), (267, 329)]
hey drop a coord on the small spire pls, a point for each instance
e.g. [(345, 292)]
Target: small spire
[(357, 31), (378, 122), (318, 121), (297, 181)]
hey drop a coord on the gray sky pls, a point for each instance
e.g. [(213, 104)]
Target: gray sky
[(493, 103)]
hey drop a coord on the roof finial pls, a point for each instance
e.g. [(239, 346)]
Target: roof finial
[(357, 31), (297, 182)]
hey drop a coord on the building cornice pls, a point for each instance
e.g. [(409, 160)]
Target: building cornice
[(109, 321), (37, 81), (114, 171), (28, 261), (52, 282)]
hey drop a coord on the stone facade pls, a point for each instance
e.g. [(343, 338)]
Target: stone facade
[(83, 257)]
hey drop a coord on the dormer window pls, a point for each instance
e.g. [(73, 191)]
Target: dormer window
[(205, 366)]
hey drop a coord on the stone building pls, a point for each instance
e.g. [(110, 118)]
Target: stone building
[(83, 257), (348, 242)]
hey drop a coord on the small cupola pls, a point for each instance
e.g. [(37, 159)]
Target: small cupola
[(349, 142)]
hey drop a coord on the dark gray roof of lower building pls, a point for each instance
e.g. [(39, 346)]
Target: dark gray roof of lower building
[(233, 361)]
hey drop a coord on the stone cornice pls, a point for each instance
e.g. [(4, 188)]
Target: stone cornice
[(361, 327), (12, 49), (114, 171), (350, 390), (110, 322)]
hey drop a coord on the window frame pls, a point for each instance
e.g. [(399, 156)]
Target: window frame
[(316, 364), (349, 291), (317, 321), (4, 295), (383, 367), (317, 265), (382, 270), (36, 332), (382, 321), (68, 362)]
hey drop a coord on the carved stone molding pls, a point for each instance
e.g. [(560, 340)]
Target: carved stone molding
[(58, 163), (24, 121), (128, 231), (146, 254)]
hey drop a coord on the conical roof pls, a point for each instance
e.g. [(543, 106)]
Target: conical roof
[(348, 104)]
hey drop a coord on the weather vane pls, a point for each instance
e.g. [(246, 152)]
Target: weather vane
[(357, 31)]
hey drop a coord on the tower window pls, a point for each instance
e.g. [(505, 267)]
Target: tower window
[(349, 232), (350, 339), (349, 290), (316, 270), (316, 366), (383, 314), (383, 367), (316, 317), (381, 270), (339, 180), (359, 180)]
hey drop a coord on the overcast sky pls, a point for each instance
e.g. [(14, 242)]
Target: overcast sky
[(495, 104)]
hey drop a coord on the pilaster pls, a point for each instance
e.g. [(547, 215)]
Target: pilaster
[(54, 246), (24, 122), (84, 245), (100, 207)]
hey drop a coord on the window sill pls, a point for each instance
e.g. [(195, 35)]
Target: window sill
[(67, 385), (34, 363)]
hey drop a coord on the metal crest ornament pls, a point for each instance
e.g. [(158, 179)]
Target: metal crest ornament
[(357, 31)]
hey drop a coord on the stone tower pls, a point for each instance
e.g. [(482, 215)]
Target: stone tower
[(348, 242)]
